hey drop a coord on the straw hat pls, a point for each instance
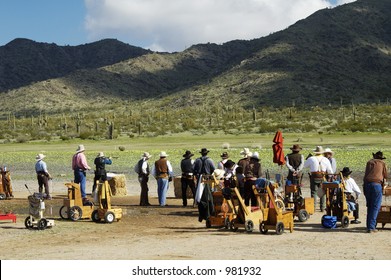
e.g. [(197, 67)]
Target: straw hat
[(163, 154), (328, 151), (255, 155), (80, 149), (319, 150), (296, 148), (100, 154), (245, 152), (219, 173), (40, 157), (146, 155)]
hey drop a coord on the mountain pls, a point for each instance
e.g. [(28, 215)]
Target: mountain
[(339, 55), (24, 61)]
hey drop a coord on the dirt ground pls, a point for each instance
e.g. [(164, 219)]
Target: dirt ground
[(174, 233)]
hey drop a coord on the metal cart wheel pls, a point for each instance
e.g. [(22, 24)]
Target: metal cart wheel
[(280, 228), (75, 213), (208, 223), (226, 223), (95, 216), (262, 228), (280, 204), (249, 226), (109, 217), (303, 215), (232, 226), (28, 222), (345, 221), (42, 224), (64, 212), (2, 196)]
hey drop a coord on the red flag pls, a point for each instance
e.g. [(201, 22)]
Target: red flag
[(278, 152)]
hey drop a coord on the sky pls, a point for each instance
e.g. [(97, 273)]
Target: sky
[(159, 25)]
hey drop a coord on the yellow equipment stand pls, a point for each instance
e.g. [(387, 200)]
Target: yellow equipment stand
[(105, 211), (384, 216), (73, 207), (302, 207)]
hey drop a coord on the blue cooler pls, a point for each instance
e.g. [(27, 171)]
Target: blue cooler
[(329, 221)]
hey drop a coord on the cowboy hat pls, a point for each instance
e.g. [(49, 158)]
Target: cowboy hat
[(224, 155), (219, 173), (346, 171), (229, 164), (80, 149), (255, 155), (39, 157), (163, 154), (245, 152), (188, 154), (328, 151), (101, 154), (204, 151), (296, 148), (378, 155), (146, 155), (319, 150)]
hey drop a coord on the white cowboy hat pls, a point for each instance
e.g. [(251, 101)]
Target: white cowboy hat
[(255, 155), (219, 173), (40, 157), (328, 150), (101, 154), (319, 150), (80, 149), (245, 152), (163, 154), (147, 155)]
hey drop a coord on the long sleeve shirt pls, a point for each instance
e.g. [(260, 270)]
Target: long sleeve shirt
[(352, 187), (79, 161), (169, 168), (318, 163), (375, 171)]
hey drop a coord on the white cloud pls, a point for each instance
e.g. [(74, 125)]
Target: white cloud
[(173, 25)]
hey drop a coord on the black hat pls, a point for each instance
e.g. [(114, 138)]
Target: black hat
[(229, 164), (188, 154), (224, 155), (204, 151), (378, 155), (346, 171)]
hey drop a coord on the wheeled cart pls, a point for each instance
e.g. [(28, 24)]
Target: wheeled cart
[(384, 216), (302, 207), (36, 210), (105, 211), (73, 207)]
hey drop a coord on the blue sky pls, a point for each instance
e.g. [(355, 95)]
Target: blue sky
[(161, 25)]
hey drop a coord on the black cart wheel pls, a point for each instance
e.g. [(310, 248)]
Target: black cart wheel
[(75, 213), (42, 224), (249, 226), (262, 228), (2, 196), (109, 217), (280, 228), (95, 216), (64, 212), (345, 221), (303, 215), (28, 222), (232, 226)]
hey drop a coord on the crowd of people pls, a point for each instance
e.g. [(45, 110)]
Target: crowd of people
[(321, 166)]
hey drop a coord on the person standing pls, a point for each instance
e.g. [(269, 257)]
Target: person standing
[(142, 169), (329, 154), (252, 172), (43, 175), (374, 179), (224, 157), (294, 163), (187, 178), (162, 171), (80, 166), (351, 188), (100, 168), (319, 166), (243, 162)]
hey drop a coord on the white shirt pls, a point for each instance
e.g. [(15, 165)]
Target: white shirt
[(314, 162), (290, 167), (352, 187), (220, 165), (169, 167)]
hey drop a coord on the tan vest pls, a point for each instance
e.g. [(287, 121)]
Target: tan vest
[(161, 168)]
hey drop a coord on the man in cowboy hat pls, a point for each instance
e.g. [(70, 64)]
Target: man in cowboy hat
[(100, 168), (43, 175), (252, 172), (187, 178), (142, 169), (319, 166), (351, 188), (80, 166), (295, 163), (203, 165), (329, 154), (374, 179), (162, 171), (224, 157), (246, 158)]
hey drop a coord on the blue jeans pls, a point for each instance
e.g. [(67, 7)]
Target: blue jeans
[(80, 178), (373, 193), (162, 188)]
